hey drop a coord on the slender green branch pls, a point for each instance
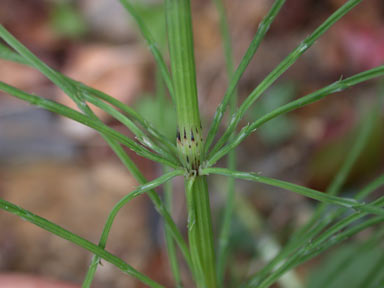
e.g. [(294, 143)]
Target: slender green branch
[(152, 46), (307, 192), (62, 82), (335, 87), (81, 118), (347, 260), (311, 248), (263, 29), (281, 68), (8, 54), (340, 178), (89, 92), (293, 246), (73, 238), (306, 255), (111, 217), (140, 135)]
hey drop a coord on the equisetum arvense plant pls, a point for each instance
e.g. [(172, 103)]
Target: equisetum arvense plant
[(194, 158)]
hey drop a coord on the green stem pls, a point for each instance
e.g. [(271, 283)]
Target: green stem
[(180, 42), (200, 232), (189, 140)]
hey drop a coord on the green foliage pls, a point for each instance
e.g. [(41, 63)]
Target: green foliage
[(67, 21), (335, 220)]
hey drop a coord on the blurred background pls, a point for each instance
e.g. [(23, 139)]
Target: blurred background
[(66, 173)]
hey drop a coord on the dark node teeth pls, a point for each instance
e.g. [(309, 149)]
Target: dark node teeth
[(192, 136), (178, 135), (185, 134), (187, 159)]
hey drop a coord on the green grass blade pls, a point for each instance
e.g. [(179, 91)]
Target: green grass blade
[(263, 29), (152, 46), (305, 100), (73, 238), (81, 118), (281, 68), (307, 192)]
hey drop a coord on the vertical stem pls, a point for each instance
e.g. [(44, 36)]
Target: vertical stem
[(189, 140), (180, 42)]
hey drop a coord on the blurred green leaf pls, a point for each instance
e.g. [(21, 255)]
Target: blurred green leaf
[(67, 21)]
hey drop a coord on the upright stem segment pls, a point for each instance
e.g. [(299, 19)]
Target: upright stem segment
[(189, 140), (180, 41)]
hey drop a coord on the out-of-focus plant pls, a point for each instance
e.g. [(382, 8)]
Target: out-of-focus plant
[(195, 158)]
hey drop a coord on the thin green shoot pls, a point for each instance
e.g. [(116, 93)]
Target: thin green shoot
[(75, 239), (281, 68), (234, 80), (335, 87)]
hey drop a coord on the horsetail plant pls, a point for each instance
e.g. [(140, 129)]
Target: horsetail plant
[(194, 159)]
